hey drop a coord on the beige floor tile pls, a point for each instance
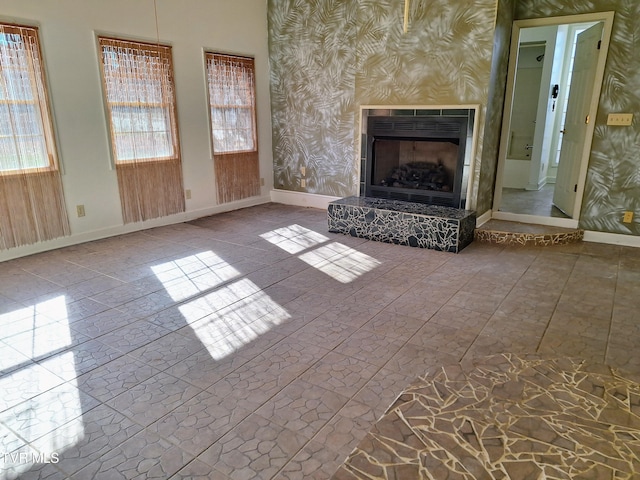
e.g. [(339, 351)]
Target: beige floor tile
[(393, 325), (200, 421), (313, 462), (340, 373), (303, 407), (256, 448), (345, 430)]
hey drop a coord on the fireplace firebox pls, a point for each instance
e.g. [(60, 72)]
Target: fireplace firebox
[(416, 158)]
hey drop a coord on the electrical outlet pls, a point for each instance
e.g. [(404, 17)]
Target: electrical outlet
[(187, 193), (620, 119), (303, 171), (628, 217), (303, 183), (80, 210)]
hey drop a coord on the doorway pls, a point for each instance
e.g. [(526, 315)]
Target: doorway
[(540, 79)]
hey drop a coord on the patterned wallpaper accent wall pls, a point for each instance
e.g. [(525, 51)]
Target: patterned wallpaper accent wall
[(312, 60), (613, 178), (329, 57), (445, 57)]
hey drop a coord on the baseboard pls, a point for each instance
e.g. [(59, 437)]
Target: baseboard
[(227, 207), (612, 238), (532, 187), (112, 231), (302, 199), (484, 218)]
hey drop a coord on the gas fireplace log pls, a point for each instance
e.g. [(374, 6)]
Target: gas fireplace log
[(418, 175)]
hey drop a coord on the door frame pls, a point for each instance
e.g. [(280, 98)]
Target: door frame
[(607, 18)]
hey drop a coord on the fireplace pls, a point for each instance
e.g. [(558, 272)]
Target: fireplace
[(416, 158), (415, 166)]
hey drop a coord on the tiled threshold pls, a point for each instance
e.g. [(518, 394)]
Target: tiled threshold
[(506, 417), (502, 232)]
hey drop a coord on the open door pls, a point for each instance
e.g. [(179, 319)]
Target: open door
[(516, 203), (577, 118)]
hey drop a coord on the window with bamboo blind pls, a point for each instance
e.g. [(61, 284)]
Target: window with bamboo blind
[(141, 109), (232, 110), (32, 207)]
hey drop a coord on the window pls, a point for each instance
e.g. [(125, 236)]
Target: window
[(139, 92), (32, 206), (141, 106), (26, 133), (232, 103)]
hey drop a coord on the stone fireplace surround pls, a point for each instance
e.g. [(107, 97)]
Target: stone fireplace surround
[(405, 223), (448, 227)]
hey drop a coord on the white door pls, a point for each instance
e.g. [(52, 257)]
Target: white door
[(577, 118)]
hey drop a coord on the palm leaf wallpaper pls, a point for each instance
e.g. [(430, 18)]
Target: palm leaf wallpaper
[(312, 59), (613, 178), (445, 57), (329, 57)]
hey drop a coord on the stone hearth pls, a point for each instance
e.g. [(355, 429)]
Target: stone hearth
[(406, 223)]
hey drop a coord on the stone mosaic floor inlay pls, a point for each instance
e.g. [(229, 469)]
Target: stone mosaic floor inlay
[(502, 232), (507, 417)]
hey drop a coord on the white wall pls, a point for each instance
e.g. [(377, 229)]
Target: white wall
[(523, 119), (68, 30)]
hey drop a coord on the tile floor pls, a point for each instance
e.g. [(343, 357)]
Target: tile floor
[(530, 202), (254, 344)]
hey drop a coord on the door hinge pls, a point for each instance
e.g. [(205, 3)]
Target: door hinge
[(599, 44), (575, 188)]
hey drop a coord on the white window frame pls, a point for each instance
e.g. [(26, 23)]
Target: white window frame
[(34, 93), (161, 97), (225, 101)]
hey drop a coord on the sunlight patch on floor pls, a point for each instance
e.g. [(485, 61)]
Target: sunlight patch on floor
[(340, 262), (247, 312), (189, 276), (294, 238), (53, 414)]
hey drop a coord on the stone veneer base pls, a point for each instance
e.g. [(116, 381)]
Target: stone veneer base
[(512, 233), (405, 223)]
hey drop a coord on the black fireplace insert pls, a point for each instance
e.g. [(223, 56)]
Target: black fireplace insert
[(416, 158)]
